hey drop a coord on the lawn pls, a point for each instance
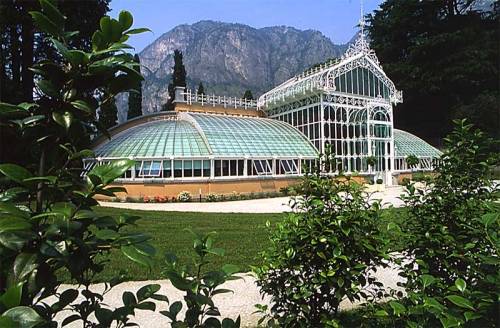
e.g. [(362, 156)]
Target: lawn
[(243, 236)]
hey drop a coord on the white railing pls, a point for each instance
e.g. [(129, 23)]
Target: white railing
[(212, 100)]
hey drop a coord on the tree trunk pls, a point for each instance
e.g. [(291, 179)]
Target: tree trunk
[(27, 44), (16, 61)]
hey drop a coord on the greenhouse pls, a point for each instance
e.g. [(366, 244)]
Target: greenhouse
[(347, 105), (223, 144), (195, 146)]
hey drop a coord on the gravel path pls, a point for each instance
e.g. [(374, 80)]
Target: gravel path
[(241, 302), (265, 205)]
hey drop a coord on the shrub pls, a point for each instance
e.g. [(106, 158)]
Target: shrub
[(234, 196), (322, 253), (48, 228), (184, 196), (211, 197), (453, 249), (285, 190), (199, 287)]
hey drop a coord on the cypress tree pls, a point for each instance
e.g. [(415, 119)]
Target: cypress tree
[(178, 77), (248, 95), (201, 89), (135, 97), (108, 113)]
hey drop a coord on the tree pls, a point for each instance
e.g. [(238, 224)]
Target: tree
[(21, 45), (444, 56), (135, 96), (451, 261), (201, 89), (322, 253), (412, 161), (248, 95), (108, 113), (178, 78), (49, 231)]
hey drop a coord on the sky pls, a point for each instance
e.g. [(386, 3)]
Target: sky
[(337, 19)]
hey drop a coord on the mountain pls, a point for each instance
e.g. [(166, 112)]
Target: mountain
[(230, 58)]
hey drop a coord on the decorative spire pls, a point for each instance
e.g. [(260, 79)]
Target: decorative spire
[(361, 45)]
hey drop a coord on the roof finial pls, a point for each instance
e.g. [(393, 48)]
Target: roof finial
[(362, 19)]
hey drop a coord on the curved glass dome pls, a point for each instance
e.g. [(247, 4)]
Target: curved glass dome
[(201, 135), (157, 139), (407, 144), (254, 137)]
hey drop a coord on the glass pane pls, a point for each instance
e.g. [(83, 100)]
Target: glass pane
[(155, 168), (197, 168), (188, 168), (206, 168), (177, 169)]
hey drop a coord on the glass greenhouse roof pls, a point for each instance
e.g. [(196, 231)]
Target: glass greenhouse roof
[(208, 135), (407, 144), (236, 136), (156, 139)]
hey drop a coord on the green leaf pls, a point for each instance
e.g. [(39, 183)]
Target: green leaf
[(105, 24), (230, 269), (63, 119), (381, 313), (175, 308), (460, 284), (24, 264), (12, 110), (132, 253), (147, 291), (12, 296), (397, 307), (488, 218), (129, 299), (427, 280), (52, 13), (138, 31), (12, 210), (460, 301), (13, 224), (45, 24), (48, 88), (109, 172), (471, 316), (25, 316), (126, 20), (6, 322), (77, 57), (107, 234), (82, 105), (150, 306), (15, 172), (178, 282)]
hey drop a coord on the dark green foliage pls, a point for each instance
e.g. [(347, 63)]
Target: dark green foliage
[(248, 95), (412, 161), (21, 45), (47, 225), (178, 78), (201, 89), (453, 265), (108, 113), (322, 253), (444, 56), (135, 96), (199, 286)]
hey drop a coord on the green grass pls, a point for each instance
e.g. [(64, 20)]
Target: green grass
[(242, 236)]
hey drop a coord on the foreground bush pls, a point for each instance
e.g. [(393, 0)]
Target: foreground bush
[(48, 229), (452, 267), (322, 253), (199, 287)]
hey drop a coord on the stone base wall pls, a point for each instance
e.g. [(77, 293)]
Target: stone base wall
[(205, 187)]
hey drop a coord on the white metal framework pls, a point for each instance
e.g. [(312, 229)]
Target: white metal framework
[(346, 104)]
